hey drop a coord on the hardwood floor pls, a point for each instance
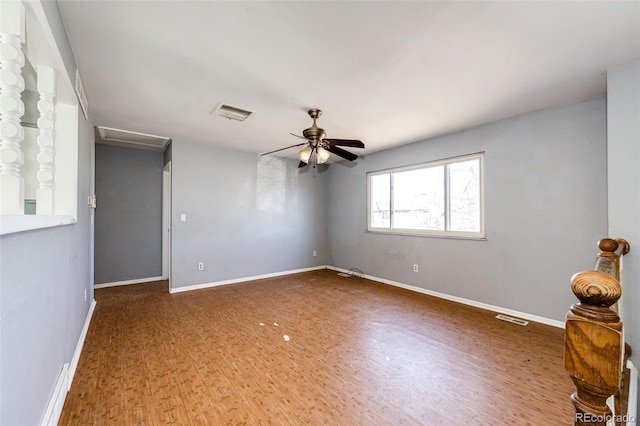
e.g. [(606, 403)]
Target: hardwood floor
[(359, 353)]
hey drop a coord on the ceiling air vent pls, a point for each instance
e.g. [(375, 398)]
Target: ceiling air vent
[(233, 113), (130, 139)]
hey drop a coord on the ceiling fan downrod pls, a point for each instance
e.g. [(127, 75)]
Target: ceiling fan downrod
[(314, 133)]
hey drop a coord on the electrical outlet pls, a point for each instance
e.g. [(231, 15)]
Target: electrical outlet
[(315, 253), (415, 268), (200, 266)]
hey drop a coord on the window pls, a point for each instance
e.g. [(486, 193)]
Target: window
[(441, 198)]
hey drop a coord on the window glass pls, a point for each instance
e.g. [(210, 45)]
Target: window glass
[(464, 196), (380, 200), (441, 198), (418, 199)]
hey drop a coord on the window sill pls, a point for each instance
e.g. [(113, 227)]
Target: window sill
[(10, 224), (452, 235)]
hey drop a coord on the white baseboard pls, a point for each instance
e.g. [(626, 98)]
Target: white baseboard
[(56, 402), (78, 351), (486, 306), (241, 280), (138, 281), (499, 309), (632, 410), (65, 378)]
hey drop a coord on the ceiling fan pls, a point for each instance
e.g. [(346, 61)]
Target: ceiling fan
[(316, 143)]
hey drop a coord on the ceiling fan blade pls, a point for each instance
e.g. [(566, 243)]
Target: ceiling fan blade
[(302, 164), (298, 136), (345, 142), (342, 153), (282, 149)]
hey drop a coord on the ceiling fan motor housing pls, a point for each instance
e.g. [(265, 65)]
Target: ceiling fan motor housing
[(314, 133)]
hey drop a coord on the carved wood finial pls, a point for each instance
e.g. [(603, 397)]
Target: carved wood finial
[(608, 245), (594, 347), (608, 259), (596, 288), (625, 246)]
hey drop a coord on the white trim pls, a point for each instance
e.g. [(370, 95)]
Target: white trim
[(103, 135), (136, 281), (78, 351), (56, 402), (244, 279), (65, 183), (82, 97), (632, 402), (486, 306), (10, 224), (166, 222), (63, 384)]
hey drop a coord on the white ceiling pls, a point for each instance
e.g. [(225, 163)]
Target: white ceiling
[(387, 73)]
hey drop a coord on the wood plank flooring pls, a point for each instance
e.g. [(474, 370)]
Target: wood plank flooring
[(359, 353)]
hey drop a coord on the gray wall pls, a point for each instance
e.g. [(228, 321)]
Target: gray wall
[(43, 278), (623, 106), (545, 194), (246, 215), (128, 243)]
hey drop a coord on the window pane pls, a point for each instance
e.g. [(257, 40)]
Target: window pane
[(380, 201), (464, 196), (418, 199)]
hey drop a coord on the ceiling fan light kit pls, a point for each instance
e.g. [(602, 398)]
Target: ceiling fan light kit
[(322, 155), (305, 154), (323, 148)]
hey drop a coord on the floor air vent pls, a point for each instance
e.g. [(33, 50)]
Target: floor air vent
[(512, 319)]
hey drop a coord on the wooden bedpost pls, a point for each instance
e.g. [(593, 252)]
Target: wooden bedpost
[(594, 346)]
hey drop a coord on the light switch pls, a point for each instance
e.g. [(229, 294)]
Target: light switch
[(183, 217)]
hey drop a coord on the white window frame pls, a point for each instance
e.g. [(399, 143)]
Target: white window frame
[(422, 232)]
